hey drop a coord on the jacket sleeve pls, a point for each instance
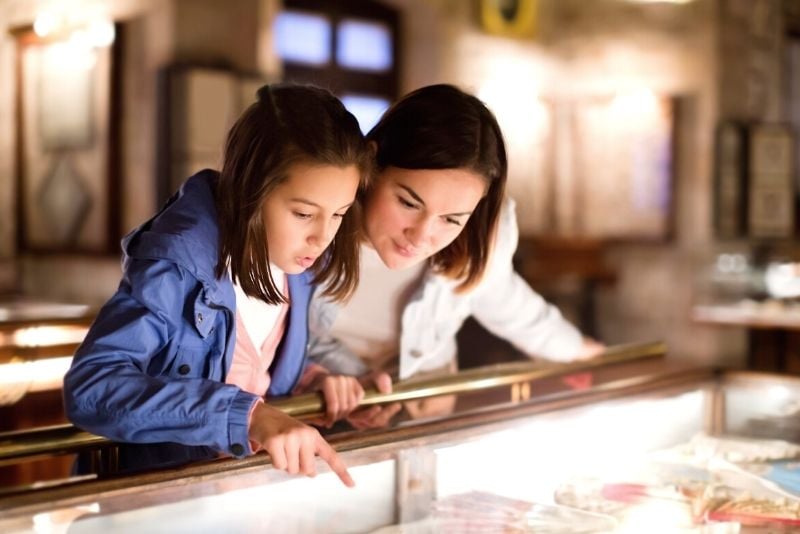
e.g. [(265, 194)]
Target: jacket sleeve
[(507, 306), (325, 349), (109, 392)]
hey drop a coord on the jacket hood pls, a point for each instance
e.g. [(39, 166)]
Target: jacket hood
[(184, 232)]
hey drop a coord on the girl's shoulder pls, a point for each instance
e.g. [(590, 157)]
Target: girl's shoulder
[(184, 231)]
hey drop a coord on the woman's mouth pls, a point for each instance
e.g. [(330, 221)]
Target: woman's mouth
[(406, 252)]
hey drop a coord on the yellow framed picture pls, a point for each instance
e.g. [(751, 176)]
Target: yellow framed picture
[(509, 18)]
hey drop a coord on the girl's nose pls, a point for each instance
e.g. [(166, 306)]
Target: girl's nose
[(322, 234)]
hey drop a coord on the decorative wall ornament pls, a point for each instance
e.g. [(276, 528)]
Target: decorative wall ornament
[(67, 138), (63, 202), (605, 168), (771, 198), (730, 188), (509, 18)]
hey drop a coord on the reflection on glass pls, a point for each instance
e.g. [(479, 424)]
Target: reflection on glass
[(364, 45), (303, 37), (367, 109)]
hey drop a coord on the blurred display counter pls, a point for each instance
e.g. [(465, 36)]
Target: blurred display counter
[(530, 450), (37, 340), (773, 329), (36, 330)]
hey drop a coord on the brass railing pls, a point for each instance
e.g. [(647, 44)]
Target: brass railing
[(66, 439)]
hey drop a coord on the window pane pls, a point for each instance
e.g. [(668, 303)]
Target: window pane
[(303, 37), (367, 109), (364, 45)]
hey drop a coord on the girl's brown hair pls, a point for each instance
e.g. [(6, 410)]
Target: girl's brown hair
[(442, 127), (289, 124)]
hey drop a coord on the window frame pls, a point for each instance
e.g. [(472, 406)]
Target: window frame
[(343, 80)]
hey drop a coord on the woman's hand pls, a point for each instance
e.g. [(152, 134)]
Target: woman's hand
[(293, 445), (375, 416), (342, 395), (431, 407), (589, 349)]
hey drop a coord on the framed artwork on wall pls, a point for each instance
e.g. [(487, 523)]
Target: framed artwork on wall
[(67, 146), (771, 196), (621, 160), (730, 173)]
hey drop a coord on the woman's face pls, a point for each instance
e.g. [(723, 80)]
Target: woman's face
[(302, 214), (410, 215)]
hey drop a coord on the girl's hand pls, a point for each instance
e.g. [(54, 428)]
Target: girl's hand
[(293, 445)]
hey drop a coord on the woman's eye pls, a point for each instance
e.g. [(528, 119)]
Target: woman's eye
[(301, 215), (339, 215), (450, 220), (406, 203)]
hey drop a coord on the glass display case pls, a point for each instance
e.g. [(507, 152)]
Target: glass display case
[(524, 453)]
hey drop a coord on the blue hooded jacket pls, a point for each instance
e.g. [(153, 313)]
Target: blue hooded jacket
[(152, 368)]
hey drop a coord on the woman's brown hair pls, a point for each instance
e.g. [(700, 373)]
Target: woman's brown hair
[(289, 124), (442, 127)]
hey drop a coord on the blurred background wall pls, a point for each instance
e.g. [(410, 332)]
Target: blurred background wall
[(696, 63)]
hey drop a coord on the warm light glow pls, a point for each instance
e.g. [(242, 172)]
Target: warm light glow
[(18, 378), (101, 33), (656, 516), (635, 104), (516, 103), (45, 24), (60, 520), (610, 440), (779, 393), (90, 27), (44, 336), (73, 54)]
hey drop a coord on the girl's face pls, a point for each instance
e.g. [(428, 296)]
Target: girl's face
[(301, 215), (410, 215)]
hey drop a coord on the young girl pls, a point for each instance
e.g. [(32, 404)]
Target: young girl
[(211, 312), (439, 239)]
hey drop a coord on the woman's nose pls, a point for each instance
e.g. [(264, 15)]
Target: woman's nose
[(420, 233)]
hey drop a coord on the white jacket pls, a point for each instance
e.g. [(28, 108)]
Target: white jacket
[(502, 302)]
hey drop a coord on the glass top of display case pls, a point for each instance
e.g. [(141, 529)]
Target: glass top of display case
[(648, 446)]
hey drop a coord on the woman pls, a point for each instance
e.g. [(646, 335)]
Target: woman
[(439, 236)]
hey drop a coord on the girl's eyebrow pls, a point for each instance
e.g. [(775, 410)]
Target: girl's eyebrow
[(416, 197), (314, 204)]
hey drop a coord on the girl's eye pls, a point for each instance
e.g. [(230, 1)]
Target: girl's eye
[(406, 203), (450, 220), (338, 215), (301, 215)]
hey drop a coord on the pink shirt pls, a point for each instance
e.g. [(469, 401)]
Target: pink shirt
[(250, 366)]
